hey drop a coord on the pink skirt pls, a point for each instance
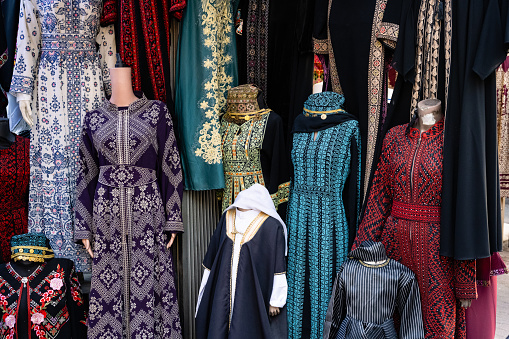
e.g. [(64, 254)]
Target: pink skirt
[(481, 317)]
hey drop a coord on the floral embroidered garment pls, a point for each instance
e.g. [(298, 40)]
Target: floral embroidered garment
[(63, 73), (403, 211), (14, 177), (206, 69), (55, 306), (129, 195), (322, 210)]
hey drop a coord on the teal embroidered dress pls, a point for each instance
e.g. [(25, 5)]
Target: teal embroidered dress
[(206, 69), (323, 208)]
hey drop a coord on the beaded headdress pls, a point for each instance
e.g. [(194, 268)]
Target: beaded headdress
[(243, 103), (242, 99), (31, 247), (323, 104)]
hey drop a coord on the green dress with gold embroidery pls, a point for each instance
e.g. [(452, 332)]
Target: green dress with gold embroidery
[(254, 152), (206, 69)]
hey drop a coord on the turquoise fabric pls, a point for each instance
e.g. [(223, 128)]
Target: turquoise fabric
[(317, 219), (206, 69)]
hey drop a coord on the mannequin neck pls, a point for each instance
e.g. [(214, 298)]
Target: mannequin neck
[(25, 267), (7, 138), (429, 112), (122, 94)]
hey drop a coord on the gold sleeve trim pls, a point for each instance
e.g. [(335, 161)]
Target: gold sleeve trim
[(320, 46)]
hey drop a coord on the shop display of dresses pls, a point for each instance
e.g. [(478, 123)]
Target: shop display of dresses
[(63, 74), (143, 31), (368, 290), (14, 178), (46, 303), (129, 197), (244, 271), (403, 211), (323, 208), (206, 69), (450, 52), (252, 144)]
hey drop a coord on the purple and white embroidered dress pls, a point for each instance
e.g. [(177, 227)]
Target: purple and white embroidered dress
[(62, 62), (129, 194)]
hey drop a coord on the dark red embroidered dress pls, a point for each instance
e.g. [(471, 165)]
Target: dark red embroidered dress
[(403, 211), (14, 178), (143, 41)]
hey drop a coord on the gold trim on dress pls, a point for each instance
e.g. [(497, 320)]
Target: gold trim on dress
[(324, 112), (32, 247), (250, 232), (385, 263)]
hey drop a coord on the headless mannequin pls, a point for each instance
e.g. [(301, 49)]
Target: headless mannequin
[(24, 268), (273, 311), (429, 112), (122, 95), (7, 138)]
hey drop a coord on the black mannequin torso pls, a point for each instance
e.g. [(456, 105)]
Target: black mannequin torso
[(7, 138), (24, 268)]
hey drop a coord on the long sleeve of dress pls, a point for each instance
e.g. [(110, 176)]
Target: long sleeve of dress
[(28, 49), (336, 311), (76, 306), (170, 173), (389, 28), (273, 161), (352, 189), (86, 185), (321, 27), (280, 284), (107, 54), (465, 284), (409, 307), (379, 204)]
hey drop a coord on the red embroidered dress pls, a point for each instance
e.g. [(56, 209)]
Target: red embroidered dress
[(403, 211), (144, 43), (14, 178)]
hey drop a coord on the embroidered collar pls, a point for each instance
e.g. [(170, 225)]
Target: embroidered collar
[(134, 106), (21, 279), (413, 132)]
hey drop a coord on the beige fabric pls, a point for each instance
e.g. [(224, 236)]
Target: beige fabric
[(503, 129)]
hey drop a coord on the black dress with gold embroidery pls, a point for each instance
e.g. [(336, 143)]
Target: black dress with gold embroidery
[(52, 298), (359, 37)]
